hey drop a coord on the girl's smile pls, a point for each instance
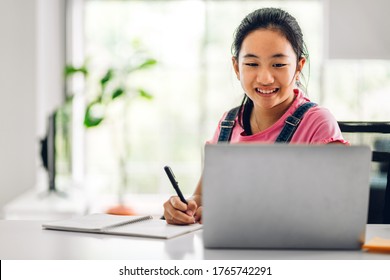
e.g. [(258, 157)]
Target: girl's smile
[(267, 91)]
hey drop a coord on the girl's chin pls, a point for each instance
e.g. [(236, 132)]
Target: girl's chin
[(270, 103)]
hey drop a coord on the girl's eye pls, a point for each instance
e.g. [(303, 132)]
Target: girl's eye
[(279, 65), (251, 64)]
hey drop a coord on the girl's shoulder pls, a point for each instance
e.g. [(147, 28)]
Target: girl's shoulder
[(319, 126), (318, 112)]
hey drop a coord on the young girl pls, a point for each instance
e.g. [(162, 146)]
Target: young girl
[(268, 57)]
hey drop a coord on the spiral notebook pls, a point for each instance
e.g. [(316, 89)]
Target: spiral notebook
[(140, 226)]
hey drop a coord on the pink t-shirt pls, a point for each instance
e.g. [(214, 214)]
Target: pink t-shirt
[(318, 126)]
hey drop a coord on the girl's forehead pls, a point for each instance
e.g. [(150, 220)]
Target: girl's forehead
[(265, 42)]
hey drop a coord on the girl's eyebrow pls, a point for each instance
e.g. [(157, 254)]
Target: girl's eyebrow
[(277, 55), (249, 55)]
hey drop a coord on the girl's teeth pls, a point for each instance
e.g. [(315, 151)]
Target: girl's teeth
[(266, 91)]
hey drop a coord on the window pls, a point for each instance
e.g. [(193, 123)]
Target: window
[(193, 83)]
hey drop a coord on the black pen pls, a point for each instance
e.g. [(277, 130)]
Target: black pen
[(174, 183)]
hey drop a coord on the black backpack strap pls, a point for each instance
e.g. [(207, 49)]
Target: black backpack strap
[(292, 122), (227, 125)]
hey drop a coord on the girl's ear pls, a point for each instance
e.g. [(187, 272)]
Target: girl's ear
[(236, 68), (301, 63)]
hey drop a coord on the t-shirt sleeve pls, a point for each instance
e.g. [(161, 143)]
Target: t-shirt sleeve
[(214, 140), (320, 126)]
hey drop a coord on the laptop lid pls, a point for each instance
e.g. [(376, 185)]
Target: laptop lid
[(285, 196)]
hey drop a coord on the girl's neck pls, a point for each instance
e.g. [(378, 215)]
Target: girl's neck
[(263, 118)]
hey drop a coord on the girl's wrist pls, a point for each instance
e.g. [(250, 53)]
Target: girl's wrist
[(197, 198)]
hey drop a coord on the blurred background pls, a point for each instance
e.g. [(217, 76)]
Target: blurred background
[(136, 85)]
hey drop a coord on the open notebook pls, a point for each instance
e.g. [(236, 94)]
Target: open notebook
[(141, 226)]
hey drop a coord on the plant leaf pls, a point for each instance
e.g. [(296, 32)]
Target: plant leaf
[(143, 93), (143, 65), (147, 63), (71, 70), (117, 93), (107, 77), (94, 114)]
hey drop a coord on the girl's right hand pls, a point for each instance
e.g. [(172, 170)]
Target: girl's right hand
[(178, 213)]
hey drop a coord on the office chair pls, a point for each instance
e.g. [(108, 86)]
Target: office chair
[(377, 136)]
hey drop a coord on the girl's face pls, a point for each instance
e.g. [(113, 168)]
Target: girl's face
[(267, 69)]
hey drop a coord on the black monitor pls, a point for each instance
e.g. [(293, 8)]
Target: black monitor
[(48, 151)]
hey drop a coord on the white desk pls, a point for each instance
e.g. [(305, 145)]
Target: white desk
[(42, 205), (27, 240)]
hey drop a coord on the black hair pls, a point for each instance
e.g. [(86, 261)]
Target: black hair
[(268, 18)]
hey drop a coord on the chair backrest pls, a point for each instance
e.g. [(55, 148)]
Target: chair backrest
[(376, 135)]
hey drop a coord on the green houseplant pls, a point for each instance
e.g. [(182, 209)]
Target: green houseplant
[(110, 88), (96, 108)]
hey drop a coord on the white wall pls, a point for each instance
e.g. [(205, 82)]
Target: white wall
[(358, 29), (31, 64)]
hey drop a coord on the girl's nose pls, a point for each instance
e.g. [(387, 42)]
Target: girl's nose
[(265, 77)]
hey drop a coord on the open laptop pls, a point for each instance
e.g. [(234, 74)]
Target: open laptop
[(285, 196)]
